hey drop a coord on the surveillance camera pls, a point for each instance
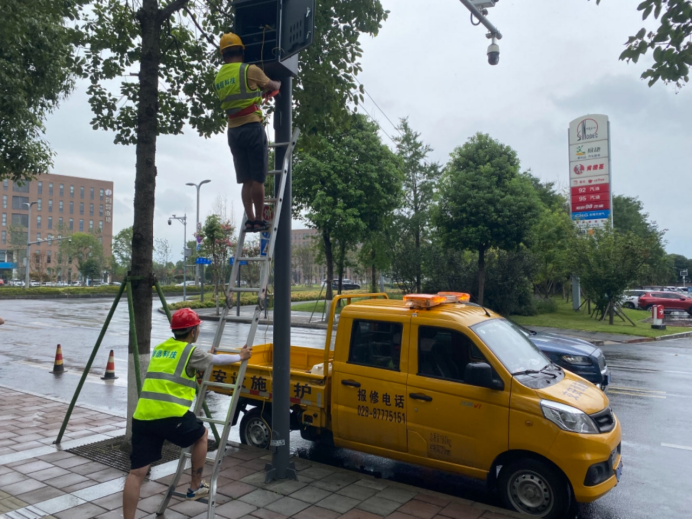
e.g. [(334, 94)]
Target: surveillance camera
[(169, 222), (493, 53)]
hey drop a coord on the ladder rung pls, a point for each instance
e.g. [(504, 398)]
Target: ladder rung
[(252, 258), (247, 289), (276, 145), (274, 172), (271, 201), (219, 385), (213, 421)]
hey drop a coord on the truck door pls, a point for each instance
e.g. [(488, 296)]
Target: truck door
[(369, 384), (448, 419)]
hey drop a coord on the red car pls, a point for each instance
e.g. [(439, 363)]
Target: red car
[(672, 301)]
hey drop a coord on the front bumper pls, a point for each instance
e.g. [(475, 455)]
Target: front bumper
[(575, 453)]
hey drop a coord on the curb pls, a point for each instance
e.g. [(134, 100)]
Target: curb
[(678, 335)]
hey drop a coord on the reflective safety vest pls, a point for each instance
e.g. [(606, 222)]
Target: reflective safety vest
[(167, 390), (231, 85)]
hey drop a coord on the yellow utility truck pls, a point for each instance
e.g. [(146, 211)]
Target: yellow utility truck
[(437, 381)]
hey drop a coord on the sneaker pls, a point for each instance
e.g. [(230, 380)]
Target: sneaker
[(201, 492)]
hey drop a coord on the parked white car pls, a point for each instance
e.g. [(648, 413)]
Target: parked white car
[(630, 298)]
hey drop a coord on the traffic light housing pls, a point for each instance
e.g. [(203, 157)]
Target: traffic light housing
[(273, 32)]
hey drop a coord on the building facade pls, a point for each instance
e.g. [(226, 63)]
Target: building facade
[(60, 205)]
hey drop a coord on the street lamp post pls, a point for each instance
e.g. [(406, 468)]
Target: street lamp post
[(197, 222), (27, 279), (184, 220)]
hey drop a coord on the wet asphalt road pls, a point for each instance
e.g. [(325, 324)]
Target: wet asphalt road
[(650, 393)]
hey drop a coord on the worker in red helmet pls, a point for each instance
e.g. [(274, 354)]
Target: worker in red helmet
[(163, 410)]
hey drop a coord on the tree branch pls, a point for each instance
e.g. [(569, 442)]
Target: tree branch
[(171, 8)]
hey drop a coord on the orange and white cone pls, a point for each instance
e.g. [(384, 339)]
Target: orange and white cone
[(58, 367), (110, 368)]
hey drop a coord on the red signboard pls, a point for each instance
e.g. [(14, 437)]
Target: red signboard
[(589, 188), (590, 197), (577, 207)]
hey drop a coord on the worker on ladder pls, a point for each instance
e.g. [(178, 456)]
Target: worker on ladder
[(241, 89), (162, 412)]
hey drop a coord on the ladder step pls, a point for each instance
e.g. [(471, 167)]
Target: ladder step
[(252, 258), (213, 421), (247, 289), (271, 201), (219, 385), (274, 172), (277, 145)]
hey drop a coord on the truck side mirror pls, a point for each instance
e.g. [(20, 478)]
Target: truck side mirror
[(481, 374)]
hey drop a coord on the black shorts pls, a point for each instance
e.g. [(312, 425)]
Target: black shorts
[(248, 145), (148, 437)]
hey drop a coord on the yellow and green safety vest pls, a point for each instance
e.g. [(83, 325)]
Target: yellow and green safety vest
[(231, 85), (167, 390)]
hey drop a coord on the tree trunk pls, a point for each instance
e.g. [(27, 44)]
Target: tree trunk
[(611, 313), (482, 274), (330, 265), (374, 287), (145, 185), (340, 266)]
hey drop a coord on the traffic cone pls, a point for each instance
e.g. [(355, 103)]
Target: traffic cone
[(58, 367), (110, 368)]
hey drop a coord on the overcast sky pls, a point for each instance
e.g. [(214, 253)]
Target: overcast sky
[(558, 61)]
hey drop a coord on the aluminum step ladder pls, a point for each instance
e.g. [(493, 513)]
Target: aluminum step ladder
[(265, 260)]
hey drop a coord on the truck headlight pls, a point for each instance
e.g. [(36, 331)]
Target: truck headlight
[(577, 360), (568, 418)]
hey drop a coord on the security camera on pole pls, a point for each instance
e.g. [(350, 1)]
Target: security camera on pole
[(186, 250), (478, 9), (197, 225)]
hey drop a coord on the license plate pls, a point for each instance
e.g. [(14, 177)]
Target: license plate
[(619, 470)]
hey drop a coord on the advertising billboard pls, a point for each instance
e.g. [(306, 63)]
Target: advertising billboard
[(589, 171)]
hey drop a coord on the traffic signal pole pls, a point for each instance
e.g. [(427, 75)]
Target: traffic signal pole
[(281, 467)]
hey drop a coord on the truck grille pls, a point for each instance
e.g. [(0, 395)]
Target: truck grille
[(601, 360), (604, 420)]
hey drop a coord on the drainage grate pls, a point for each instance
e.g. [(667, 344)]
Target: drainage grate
[(115, 452)]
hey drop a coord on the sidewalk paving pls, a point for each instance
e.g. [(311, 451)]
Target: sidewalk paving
[(40, 480)]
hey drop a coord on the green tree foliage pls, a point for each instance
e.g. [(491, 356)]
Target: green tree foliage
[(122, 247), (216, 245), (551, 238), (86, 251), (608, 262), (37, 62), (676, 264), (670, 45), (346, 187), (413, 218), (484, 201)]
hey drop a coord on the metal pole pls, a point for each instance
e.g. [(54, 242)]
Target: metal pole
[(238, 295), (576, 292), (89, 363), (477, 14), (185, 257), (27, 279), (202, 284), (281, 466), (197, 230)]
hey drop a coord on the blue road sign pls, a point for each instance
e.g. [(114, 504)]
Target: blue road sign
[(264, 242), (8, 265), (203, 261), (243, 262)]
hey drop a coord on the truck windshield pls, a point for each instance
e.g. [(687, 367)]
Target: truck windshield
[(510, 346)]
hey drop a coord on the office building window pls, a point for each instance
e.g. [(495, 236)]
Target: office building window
[(60, 222), (39, 205), (4, 219), (91, 193), (72, 191), (50, 189), (50, 205), (48, 256), (81, 192), (6, 183), (4, 237), (4, 202), (100, 225), (70, 225), (38, 222), (50, 222), (40, 188), (100, 194), (38, 237), (81, 208), (62, 190), (81, 225), (60, 206), (91, 225), (20, 188), (18, 202), (20, 219), (50, 239), (72, 207), (91, 210), (100, 210)]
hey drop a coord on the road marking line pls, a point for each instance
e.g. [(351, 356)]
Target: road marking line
[(621, 367), (677, 446), (639, 395), (638, 389)]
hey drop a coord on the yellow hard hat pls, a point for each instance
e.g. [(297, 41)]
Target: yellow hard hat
[(230, 40)]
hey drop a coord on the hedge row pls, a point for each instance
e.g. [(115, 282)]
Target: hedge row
[(106, 290)]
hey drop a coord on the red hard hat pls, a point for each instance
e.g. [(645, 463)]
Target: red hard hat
[(184, 319)]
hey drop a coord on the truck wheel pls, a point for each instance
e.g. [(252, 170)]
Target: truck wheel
[(534, 488), (648, 308), (310, 433), (256, 429)]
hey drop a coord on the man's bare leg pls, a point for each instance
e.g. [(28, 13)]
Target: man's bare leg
[(258, 198), (247, 198), (198, 455), (131, 491)]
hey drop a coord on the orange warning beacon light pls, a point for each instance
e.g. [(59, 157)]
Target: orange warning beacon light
[(454, 297), (423, 301)]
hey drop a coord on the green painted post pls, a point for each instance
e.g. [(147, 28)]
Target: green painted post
[(133, 333), (89, 363)]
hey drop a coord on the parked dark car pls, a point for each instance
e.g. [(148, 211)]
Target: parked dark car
[(672, 301), (347, 285), (574, 354)]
